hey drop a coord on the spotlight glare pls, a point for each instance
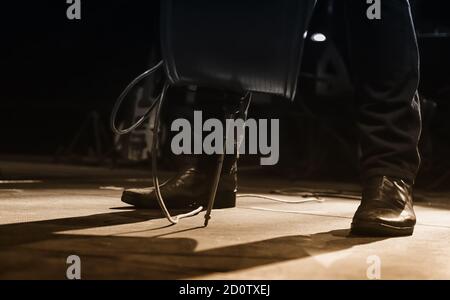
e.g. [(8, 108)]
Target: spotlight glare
[(318, 37)]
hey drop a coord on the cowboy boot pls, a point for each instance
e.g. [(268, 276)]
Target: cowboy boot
[(191, 187), (386, 208)]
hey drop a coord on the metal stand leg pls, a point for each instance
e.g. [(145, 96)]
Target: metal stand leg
[(212, 196), (241, 113)]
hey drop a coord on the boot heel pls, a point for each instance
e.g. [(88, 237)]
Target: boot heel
[(225, 199)]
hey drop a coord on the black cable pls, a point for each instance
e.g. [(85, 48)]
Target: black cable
[(123, 96), (159, 197)]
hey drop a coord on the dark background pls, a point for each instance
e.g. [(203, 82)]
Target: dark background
[(55, 71)]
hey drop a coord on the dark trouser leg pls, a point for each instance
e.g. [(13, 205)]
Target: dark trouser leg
[(385, 64)]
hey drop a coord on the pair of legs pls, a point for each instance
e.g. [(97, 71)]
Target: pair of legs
[(385, 70)]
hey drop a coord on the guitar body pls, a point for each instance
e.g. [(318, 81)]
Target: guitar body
[(237, 45)]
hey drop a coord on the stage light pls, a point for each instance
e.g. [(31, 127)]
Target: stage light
[(318, 37)]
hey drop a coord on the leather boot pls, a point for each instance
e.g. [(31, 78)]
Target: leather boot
[(386, 208), (190, 188)]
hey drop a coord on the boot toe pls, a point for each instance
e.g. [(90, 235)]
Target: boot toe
[(140, 198), (384, 222)]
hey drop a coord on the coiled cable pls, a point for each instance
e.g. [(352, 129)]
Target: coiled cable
[(155, 144), (158, 103), (122, 97)]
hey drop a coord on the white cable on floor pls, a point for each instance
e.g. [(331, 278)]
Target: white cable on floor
[(279, 199), (325, 193)]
